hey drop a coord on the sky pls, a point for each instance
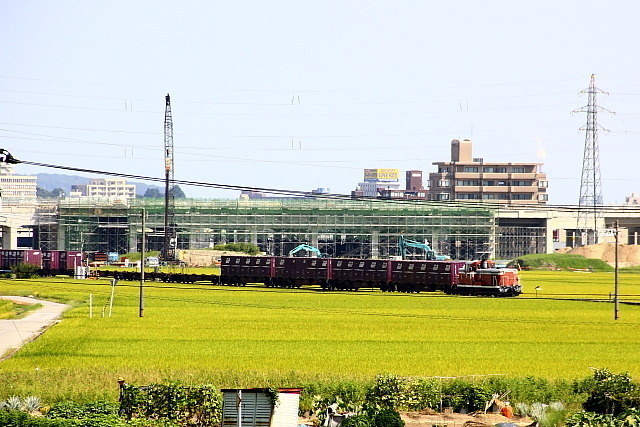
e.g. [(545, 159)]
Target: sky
[(298, 95)]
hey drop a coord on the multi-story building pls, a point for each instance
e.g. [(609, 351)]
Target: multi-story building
[(105, 187), (414, 180), (16, 188), (376, 180), (469, 178)]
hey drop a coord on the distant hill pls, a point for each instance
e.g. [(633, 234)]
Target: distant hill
[(50, 181)]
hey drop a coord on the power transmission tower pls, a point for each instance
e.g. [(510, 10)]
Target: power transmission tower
[(590, 203), (169, 249)]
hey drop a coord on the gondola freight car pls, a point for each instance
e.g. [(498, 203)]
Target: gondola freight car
[(449, 276)]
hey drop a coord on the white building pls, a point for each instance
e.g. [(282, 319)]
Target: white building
[(113, 188), (16, 188)]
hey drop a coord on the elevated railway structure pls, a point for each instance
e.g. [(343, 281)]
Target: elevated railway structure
[(338, 228)]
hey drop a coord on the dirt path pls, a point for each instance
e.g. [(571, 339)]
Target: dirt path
[(15, 333)]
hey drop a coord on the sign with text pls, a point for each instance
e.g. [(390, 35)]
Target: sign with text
[(389, 175)]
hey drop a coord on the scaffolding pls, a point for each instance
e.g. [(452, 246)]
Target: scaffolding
[(340, 228)]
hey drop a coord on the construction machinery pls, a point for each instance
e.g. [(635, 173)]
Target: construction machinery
[(404, 245), (310, 249)]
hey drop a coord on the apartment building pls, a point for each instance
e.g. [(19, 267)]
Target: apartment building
[(469, 178), (105, 187)]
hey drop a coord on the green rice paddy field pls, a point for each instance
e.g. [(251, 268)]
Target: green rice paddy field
[(254, 336)]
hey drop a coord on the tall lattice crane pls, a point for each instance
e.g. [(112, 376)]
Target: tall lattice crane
[(590, 203), (170, 237)]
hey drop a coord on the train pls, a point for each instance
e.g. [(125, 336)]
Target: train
[(451, 277), (48, 263), (345, 274)]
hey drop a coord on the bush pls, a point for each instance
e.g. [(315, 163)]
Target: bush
[(609, 393), (388, 418), (24, 271), (357, 421), (22, 419), (173, 401), (388, 392), (248, 248), (460, 394)]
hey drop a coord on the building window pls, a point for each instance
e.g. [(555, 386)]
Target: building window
[(543, 184), (521, 197), (467, 183), (517, 169), (443, 196), (444, 183), (488, 183), (501, 170), (543, 197), (488, 169), (472, 169), (489, 196), (468, 196)]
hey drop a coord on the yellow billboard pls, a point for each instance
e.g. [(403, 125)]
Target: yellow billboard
[(381, 174)]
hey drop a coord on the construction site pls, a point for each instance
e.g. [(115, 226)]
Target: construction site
[(340, 228)]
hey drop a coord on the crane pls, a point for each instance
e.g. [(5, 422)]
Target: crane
[(169, 249)]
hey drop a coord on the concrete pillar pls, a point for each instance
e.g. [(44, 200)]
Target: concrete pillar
[(9, 238), (254, 235), (375, 244)]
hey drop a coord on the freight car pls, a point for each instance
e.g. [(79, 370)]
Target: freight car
[(48, 263), (452, 277)]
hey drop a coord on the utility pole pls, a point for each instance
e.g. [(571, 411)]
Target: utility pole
[(616, 305), (590, 202), (169, 249), (142, 253)]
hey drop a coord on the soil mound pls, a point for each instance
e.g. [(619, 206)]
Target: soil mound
[(628, 255), (204, 257)]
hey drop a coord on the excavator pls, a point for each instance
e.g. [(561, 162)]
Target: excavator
[(310, 249), (429, 254)]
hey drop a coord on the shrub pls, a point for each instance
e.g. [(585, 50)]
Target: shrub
[(361, 420), (248, 248), (388, 418), (387, 392), (462, 394), (422, 394), (173, 401), (609, 393), (22, 419), (66, 409), (24, 271)]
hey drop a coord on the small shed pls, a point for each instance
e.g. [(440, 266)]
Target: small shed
[(252, 407)]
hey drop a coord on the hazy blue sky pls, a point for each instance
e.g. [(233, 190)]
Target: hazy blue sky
[(301, 94)]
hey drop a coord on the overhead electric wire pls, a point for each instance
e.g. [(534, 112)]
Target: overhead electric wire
[(305, 194)]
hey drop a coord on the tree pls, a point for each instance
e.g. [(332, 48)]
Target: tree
[(56, 193), (153, 192), (178, 193), (42, 193)]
